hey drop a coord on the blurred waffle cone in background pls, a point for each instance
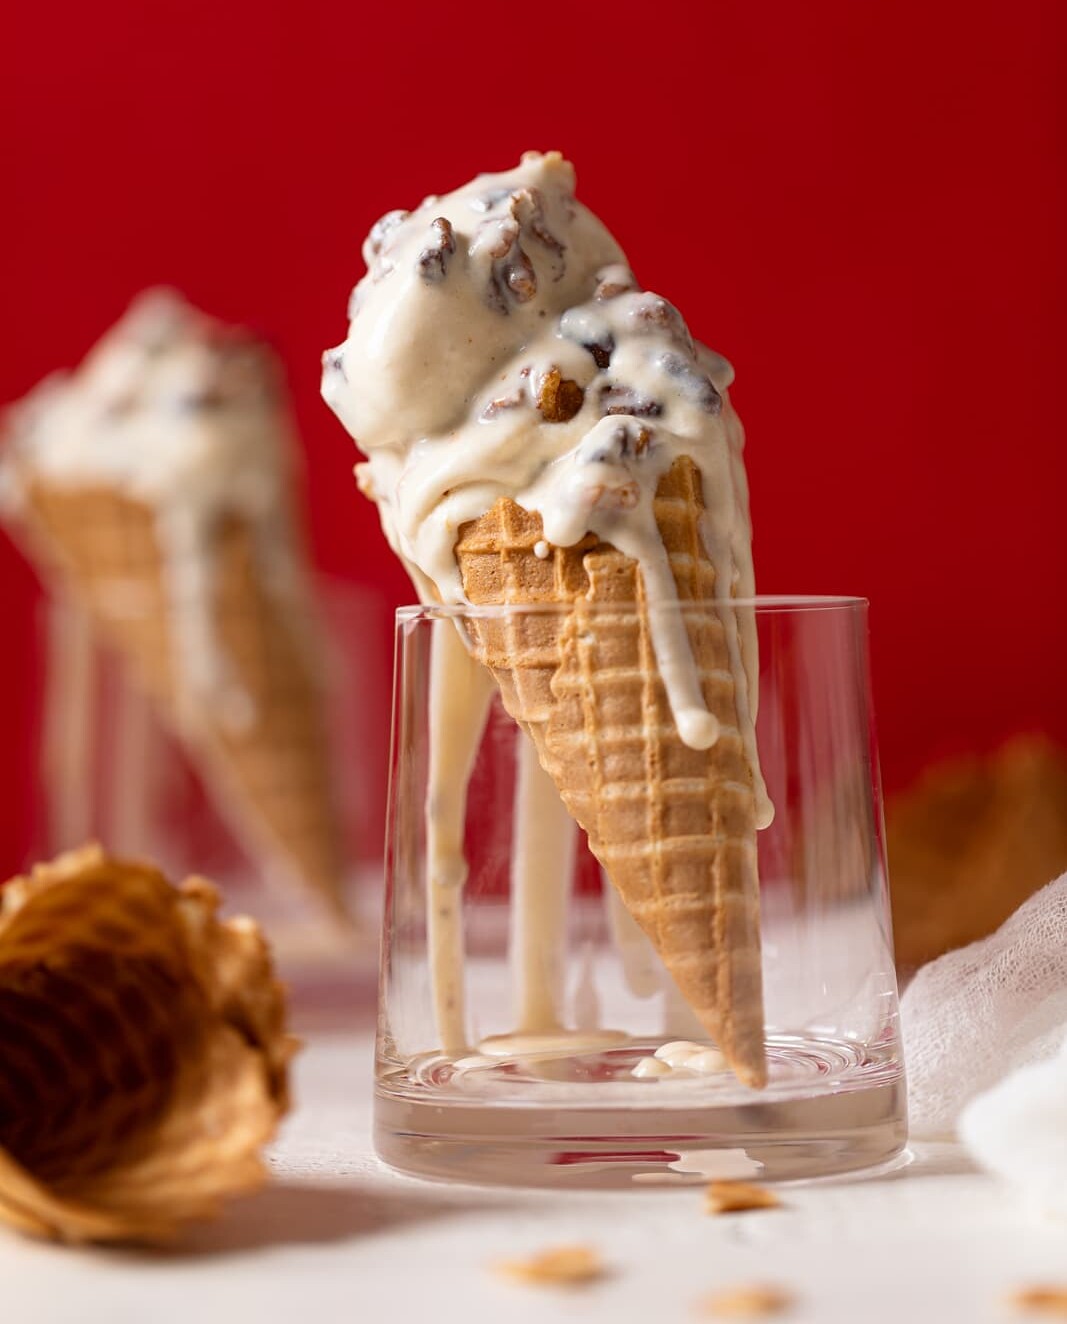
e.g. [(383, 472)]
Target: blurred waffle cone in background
[(971, 841), (153, 488), (265, 759), (143, 1052)]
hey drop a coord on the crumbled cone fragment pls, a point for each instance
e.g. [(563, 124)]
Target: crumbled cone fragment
[(559, 399), (734, 1197), (746, 1303), (1048, 1302), (143, 1053), (971, 841), (561, 1266)]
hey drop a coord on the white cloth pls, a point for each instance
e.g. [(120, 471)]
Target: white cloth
[(1018, 1131), (975, 1015)]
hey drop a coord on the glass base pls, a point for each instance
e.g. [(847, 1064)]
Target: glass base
[(582, 1120)]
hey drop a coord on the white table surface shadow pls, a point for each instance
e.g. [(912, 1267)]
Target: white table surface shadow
[(339, 1239)]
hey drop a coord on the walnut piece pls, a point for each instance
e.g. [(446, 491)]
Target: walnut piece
[(626, 441), (516, 396), (1046, 1301), (730, 1197), (755, 1302), (512, 274), (601, 351), (433, 260), (616, 399), (528, 208), (559, 398), (560, 1266)]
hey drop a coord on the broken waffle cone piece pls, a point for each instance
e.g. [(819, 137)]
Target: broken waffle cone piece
[(143, 1053), (264, 751), (757, 1302), (561, 1266), (674, 827), (735, 1197), (970, 841), (1047, 1302)]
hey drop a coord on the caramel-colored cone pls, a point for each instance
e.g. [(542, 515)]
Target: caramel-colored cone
[(270, 774), (143, 1053), (673, 827)]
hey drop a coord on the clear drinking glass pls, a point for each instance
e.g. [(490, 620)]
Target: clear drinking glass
[(518, 996)]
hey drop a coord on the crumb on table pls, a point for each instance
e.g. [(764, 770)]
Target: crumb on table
[(1047, 1301), (729, 1197), (755, 1302), (560, 1266)]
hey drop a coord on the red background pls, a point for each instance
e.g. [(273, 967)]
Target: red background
[(861, 204)]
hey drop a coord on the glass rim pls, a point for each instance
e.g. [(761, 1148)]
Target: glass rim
[(763, 604)]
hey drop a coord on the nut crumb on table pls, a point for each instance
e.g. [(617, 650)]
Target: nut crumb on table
[(746, 1303), (1051, 1302), (562, 1266), (729, 1197)]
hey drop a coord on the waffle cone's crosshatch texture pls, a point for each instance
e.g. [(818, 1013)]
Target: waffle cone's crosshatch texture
[(143, 1052), (673, 826)]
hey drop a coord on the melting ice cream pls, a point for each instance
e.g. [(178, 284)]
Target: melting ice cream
[(501, 355), (499, 345)]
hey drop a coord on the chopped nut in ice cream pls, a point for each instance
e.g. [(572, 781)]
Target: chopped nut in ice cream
[(559, 398), (433, 260), (615, 399)]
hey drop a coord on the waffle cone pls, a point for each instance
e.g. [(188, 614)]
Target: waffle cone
[(270, 775), (673, 827), (143, 1056)]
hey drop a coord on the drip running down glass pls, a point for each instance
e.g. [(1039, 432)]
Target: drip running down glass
[(528, 1031)]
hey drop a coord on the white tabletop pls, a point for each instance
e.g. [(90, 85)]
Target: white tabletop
[(339, 1239)]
